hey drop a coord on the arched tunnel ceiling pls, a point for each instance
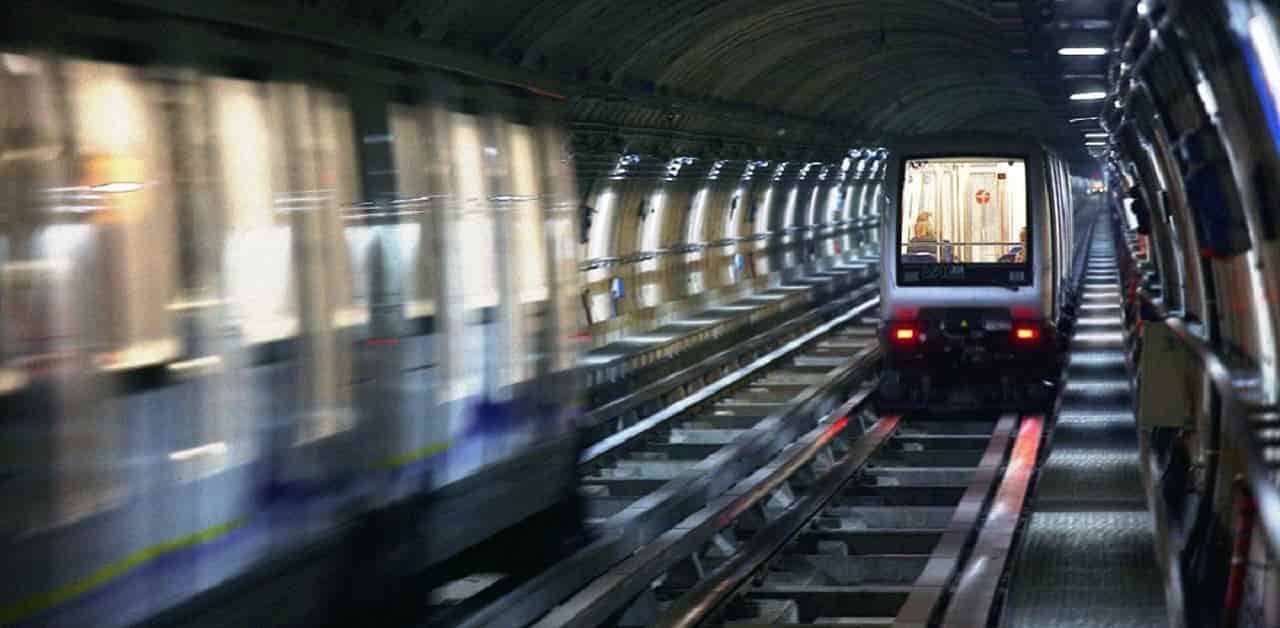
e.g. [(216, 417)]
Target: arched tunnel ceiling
[(886, 67), (892, 66)]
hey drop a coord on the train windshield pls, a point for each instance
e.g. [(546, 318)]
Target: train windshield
[(964, 221)]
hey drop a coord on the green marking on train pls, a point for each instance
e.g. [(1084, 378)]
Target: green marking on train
[(399, 460), (41, 602)]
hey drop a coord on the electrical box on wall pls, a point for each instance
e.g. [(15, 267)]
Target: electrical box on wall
[(1165, 397)]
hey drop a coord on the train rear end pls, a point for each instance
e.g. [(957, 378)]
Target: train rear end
[(968, 292), (963, 357)]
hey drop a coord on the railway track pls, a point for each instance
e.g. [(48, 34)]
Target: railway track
[(863, 521), (773, 494), (716, 423)]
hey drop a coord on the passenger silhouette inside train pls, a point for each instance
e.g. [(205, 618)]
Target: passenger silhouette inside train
[(1017, 254), (924, 246)]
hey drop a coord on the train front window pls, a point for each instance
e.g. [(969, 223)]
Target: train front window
[(964, 221)]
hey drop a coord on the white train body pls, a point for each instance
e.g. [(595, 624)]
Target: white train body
[(962, 285)]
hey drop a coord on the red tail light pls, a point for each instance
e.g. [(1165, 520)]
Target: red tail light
[(1026, 333), (904, 333)]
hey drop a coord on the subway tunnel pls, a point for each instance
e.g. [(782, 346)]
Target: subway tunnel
[(676, 313)]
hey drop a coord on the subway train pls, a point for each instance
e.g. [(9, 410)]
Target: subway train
[(255, 291), (977, 258)]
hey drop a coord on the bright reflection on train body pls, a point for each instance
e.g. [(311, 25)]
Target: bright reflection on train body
[(187, 281)]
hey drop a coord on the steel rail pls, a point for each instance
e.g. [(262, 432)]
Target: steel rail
[(954, 548), (595, 605), (631, 433), (654, 390), (971, 604), (660, 510), (820, 280), (696, 605), (712, 594)]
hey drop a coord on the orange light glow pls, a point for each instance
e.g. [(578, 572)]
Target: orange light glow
[(905, 333), (1026, 333)]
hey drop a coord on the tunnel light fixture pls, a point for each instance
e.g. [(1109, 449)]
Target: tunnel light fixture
[(1082, 120), (1097, 51), (1095, 143), (620, 168), (1083, 96), (1096, 136), (675, 164), (751, 168)]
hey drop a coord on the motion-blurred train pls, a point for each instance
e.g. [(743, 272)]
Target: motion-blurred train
[(253, 289), (976, 257)]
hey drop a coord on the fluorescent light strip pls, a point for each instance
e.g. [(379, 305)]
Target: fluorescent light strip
[(1088, 96), (1082, 120), (1082, 52), (1096, 136)]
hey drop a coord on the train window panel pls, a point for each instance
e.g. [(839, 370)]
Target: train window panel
[(413, 161), (530, 231), (258, 254), (124, 174), (964, 220), (473, 221)]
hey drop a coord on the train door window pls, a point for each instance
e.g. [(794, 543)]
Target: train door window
[(564, 277), (474, 221), (526, 253), (259, 256), (120, 157), (414, 231), (964, 220), (531, 271)]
